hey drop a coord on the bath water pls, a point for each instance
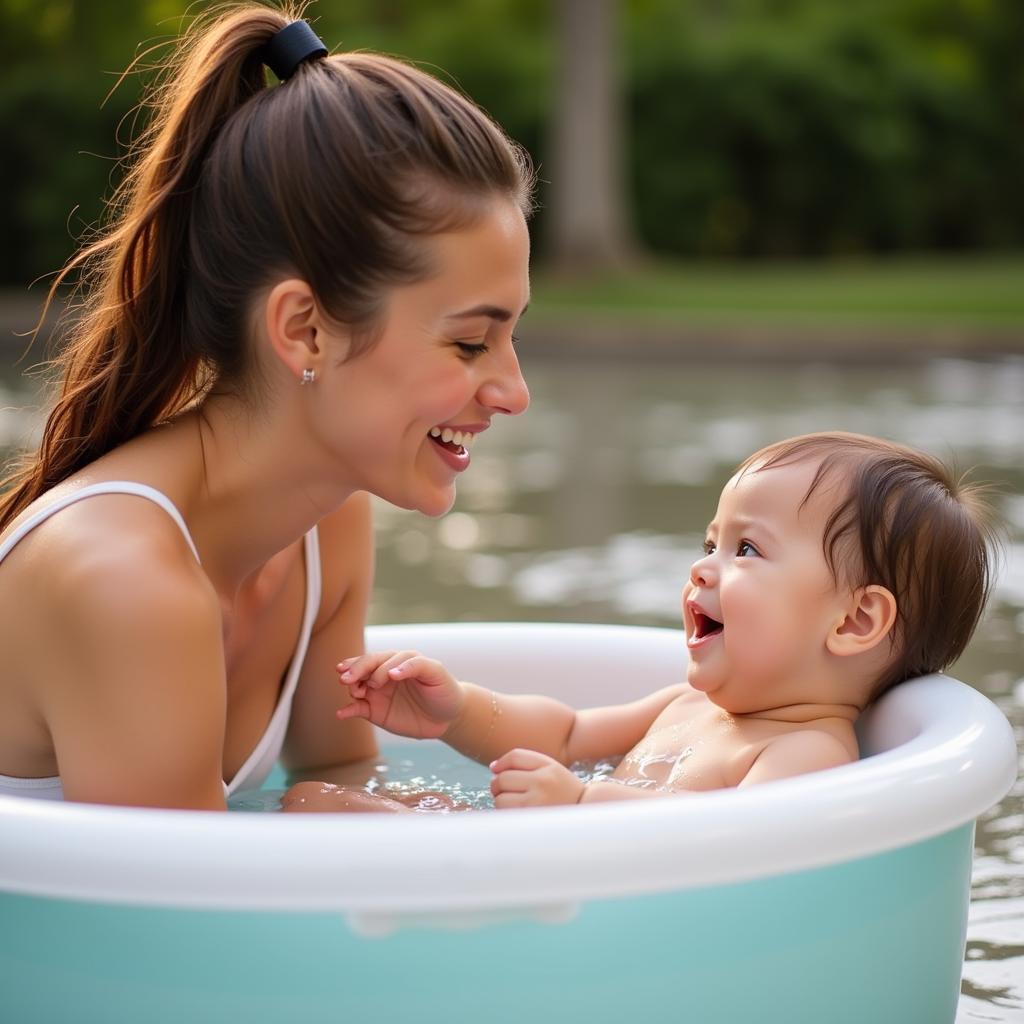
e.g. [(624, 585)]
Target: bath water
[(408, 768)]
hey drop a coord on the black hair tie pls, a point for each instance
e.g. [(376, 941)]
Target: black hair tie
[(292, 45)]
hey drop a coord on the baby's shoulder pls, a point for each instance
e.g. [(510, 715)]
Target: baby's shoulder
[(675, 704), (811, 746), (686, 698)]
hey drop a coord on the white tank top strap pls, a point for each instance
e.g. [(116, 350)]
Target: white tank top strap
[(261, 761), (106, 487)]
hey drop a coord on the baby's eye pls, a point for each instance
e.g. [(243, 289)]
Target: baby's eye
[(709, 547), (746, 549)]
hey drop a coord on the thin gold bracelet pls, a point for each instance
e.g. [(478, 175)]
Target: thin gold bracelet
[(495, 715)]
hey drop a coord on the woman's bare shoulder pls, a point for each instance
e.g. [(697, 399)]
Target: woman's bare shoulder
[(118, 646), (109, 550)]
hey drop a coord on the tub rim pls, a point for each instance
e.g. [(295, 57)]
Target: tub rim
[(956, 757)]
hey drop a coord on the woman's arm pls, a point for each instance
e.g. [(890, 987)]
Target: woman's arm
[(135, 695), (318, 745)]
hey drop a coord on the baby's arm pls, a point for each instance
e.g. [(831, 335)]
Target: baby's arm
[(412, 695), (530, 778), (525, 778), (491, 724), (616, 728), (797, 753)]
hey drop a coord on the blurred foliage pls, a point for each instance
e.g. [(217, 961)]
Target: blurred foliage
[(806, 126), (755, 126)]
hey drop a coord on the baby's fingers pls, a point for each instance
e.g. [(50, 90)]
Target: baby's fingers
[(371, 668), (362, 665), (410, 665), (505, 801), (511, 782), (520, 758), (357, 709), (387, 671)]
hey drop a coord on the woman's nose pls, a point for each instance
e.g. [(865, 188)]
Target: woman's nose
[(506, 391)]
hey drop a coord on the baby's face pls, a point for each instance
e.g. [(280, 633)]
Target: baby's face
[(760, 603)]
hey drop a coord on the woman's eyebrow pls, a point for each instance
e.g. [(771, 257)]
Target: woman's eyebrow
[(491, 312)]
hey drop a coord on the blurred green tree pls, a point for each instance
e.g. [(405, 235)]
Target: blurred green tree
[(756, 127), (590, 226)]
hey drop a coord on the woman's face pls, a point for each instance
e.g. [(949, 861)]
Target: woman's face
[(400, 419)]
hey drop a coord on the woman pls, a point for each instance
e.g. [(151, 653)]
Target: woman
[(307, 291)]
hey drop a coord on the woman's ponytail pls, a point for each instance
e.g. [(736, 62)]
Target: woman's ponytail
[(127, 362), (335, 177)]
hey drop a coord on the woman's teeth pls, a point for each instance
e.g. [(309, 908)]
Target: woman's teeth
[(449, 436)]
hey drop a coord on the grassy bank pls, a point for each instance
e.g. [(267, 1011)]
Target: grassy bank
[(872, 309), (976, 291), (848, 310)]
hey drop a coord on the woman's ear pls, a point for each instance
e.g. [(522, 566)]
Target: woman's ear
[(868, 620), (295, 327)]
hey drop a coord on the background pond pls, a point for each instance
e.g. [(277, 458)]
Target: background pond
[(592, 507)]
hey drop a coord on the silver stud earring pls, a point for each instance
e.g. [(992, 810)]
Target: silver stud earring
[(308, 376)]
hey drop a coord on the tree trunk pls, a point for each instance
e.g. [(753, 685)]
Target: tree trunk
[(588, 223)]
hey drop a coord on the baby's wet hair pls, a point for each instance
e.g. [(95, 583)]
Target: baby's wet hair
[(905, 521)]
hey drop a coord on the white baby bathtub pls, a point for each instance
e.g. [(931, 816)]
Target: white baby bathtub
[(840, 896)]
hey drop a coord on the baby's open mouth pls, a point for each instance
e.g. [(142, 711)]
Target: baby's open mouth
[(704, 625), (454, 440)]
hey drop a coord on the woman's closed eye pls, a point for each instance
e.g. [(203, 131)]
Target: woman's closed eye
[(471, 349)]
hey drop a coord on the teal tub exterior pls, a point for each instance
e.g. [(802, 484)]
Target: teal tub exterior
[(841, 896)]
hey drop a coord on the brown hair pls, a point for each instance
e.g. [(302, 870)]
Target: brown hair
[(329, 176), (904, 522)]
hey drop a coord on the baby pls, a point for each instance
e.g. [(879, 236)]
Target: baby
[(837, 565)]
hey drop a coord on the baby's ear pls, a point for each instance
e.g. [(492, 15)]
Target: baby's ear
[(869, 619)]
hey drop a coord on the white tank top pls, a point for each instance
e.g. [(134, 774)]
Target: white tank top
[(261, 761)]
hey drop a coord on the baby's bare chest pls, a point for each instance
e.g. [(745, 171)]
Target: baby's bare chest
[(694, 750)]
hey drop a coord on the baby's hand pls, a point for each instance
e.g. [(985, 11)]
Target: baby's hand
[(401, 691), (525, 778)]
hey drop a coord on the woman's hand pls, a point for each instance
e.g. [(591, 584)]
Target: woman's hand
[(526, 778), (325, 798), (401, 691)]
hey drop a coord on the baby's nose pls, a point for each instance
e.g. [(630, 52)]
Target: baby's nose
[(702, 572)]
